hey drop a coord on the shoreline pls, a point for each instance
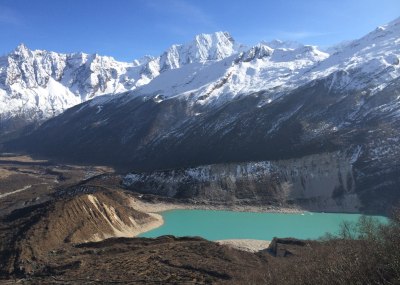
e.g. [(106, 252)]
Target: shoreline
[(157, 207), (157, 221)]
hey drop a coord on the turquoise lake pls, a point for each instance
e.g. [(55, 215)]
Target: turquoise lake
[(216, 225)]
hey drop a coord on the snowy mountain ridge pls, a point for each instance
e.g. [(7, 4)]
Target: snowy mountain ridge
[(213, 68), (36, 85)]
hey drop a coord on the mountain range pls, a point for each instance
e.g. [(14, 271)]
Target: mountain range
[(213, 107), (36, 85)]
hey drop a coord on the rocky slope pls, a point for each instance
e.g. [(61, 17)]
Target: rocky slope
[(316, 182), (304, 123), (28, 234)]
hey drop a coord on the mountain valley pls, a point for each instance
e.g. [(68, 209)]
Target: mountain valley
[(93, 150)]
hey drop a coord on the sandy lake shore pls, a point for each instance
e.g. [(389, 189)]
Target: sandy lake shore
[(251, 245)]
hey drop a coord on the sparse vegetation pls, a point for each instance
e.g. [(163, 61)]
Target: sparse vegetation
[(367, 252)]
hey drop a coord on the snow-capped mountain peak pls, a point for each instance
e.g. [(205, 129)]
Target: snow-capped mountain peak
[(22, 50), (259, 51), (214, 46), (374, 57), (204, 47)]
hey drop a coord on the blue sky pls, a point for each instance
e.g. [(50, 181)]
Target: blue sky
[(129, 29)]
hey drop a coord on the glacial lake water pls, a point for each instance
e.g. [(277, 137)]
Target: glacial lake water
[(216, 225)]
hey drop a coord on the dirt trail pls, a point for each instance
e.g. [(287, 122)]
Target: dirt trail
[(16, 191)]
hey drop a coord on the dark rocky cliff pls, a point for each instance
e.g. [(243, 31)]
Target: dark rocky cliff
[(322, 182)]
